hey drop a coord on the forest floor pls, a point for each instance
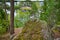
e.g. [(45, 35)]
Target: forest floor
[(6, 36), (17, 32)]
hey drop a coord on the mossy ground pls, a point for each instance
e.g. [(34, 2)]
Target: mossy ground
[(31, 31)]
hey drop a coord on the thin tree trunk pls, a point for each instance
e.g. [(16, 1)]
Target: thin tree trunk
[(4, 6), (7, 29), (12, 19)]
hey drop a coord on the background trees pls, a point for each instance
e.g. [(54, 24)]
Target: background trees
[(4, 23)]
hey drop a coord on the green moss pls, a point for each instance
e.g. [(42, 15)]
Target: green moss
[(31, 31)]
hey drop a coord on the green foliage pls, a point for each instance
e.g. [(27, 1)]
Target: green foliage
[(57, 6), (21, 18), (34, 7), (2, 30), (2, 15), (49, 12), (51, 7), (24, 13), (3, 22)]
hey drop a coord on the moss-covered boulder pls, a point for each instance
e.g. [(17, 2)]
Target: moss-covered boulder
[(31, 31)]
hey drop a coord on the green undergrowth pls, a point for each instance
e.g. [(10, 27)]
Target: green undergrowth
[(4, 27)]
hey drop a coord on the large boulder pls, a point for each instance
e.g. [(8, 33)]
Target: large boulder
[(32, 31)]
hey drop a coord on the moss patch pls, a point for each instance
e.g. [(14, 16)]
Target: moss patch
[(31, 31)]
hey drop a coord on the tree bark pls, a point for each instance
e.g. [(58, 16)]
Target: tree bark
[(12, 18), (4, 7)]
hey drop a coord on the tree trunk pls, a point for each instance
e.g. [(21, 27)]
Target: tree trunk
[(4, 7), (12, 19), (7, 29)]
